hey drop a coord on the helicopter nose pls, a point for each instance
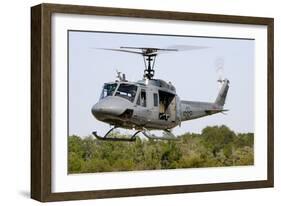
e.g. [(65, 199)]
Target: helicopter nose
[(109, 107)]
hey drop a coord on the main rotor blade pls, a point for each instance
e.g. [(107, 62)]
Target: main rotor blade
[(121, 50), (147, 48), (153, 51), (187, 47), (150, 51), (178, 48)]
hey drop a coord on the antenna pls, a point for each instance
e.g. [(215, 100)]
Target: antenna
[(120, 76)]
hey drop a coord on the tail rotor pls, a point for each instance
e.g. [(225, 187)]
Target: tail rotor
[(219, 65)]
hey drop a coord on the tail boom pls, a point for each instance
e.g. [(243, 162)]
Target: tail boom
[(193, 110)]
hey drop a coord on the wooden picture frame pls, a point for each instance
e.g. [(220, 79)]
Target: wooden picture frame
[(41, 116)]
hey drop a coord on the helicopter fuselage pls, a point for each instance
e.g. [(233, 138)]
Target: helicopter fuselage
[(150, 104)]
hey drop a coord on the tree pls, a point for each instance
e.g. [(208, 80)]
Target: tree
[(216, 138), (216, 146)]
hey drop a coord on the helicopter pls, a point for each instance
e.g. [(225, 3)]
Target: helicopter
[(149, 104)]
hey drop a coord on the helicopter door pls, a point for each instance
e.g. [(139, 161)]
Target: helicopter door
[(142, 98), (154, 105), (167, 106), (142, 111)]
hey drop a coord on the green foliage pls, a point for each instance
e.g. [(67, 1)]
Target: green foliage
[(214, 147)]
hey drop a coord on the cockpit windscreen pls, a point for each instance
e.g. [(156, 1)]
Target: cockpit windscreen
[(127, 91), (108, 90)]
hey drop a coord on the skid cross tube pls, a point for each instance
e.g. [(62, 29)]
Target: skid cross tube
[(106, 138)]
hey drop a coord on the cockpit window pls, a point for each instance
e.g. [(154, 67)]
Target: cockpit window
[(127, 91), (108, 90)]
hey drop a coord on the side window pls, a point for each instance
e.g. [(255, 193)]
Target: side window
[(155, 98), (142, 98)]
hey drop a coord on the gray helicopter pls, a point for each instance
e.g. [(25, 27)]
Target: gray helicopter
[(149, 104)]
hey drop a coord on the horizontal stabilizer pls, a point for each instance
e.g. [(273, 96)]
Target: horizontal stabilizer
[(214, 111)]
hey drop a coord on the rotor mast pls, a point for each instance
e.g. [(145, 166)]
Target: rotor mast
[(149, 57), (149, 62)]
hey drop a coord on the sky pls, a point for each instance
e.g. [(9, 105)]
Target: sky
[(194, 73)]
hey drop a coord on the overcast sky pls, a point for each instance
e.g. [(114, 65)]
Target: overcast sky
[(193, 73)]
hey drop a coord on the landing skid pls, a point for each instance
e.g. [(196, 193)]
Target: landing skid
[(169, 135), (106, 138)]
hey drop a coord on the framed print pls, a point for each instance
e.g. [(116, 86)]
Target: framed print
[(128, 102)]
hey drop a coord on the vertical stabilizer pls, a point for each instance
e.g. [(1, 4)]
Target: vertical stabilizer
[(220, 100)]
